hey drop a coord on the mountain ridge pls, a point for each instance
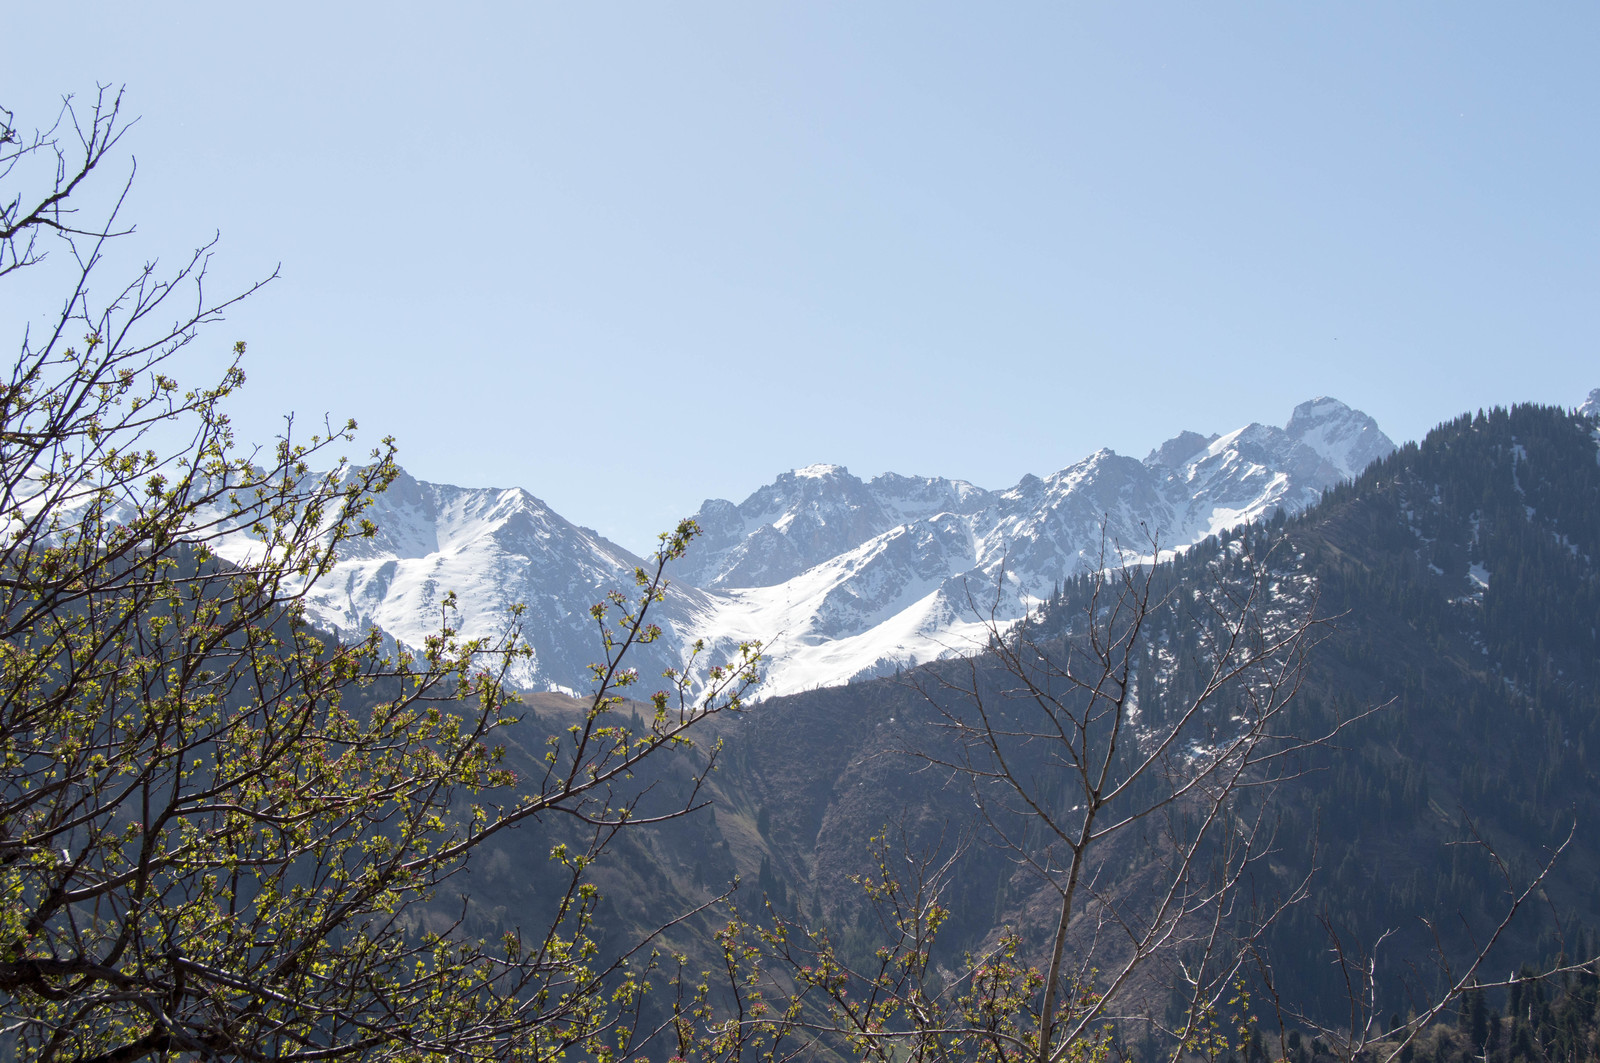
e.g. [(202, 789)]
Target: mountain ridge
[(842, 578)]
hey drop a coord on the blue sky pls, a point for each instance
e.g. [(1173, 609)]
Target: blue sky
[(632, 256)]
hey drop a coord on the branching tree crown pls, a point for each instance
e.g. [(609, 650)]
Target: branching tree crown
[(215, 824)]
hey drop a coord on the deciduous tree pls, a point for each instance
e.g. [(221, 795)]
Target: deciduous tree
[(216, 823)]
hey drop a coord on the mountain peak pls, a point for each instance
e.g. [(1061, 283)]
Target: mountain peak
[(821, 471), (1179, 449), (1319, 409), (1347, 439), (1591, 407)]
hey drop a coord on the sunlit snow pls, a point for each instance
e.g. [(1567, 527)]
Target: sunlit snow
[(840, 578)]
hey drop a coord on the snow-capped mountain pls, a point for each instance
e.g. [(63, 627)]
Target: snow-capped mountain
[(494, 549), (1591, 406), (929, 561), (806, 517), (842, 578)]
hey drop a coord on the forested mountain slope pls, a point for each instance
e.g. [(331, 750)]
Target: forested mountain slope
[(1460, 584), (1463, 576), (1458, 587)]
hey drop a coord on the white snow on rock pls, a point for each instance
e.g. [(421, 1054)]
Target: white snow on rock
[(495, 549), (841, 578), (1590, 407), (1347, 439)]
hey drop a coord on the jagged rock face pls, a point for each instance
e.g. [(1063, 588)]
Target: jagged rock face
[(495, 549), (1348, 439), (1179, 449), (1591, 406), (806, 517), (843, 578), (886, 603)]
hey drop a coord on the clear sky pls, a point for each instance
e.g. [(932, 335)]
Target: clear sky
[(630, 256)]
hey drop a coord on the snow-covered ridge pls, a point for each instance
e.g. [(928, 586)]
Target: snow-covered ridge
[(1591, 405), (842, 578), (495, 549)]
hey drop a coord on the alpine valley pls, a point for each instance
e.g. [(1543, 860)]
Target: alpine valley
[(841, 579)]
